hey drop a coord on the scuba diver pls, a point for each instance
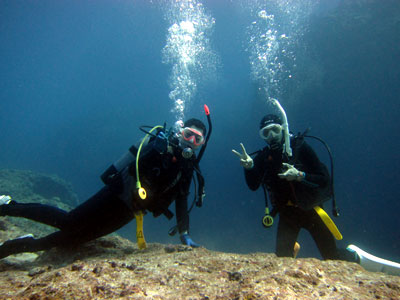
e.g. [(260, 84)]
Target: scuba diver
[(147, 178), (297, 183)]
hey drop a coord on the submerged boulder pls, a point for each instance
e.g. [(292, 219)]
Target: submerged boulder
[(26, 186), (29, 187)]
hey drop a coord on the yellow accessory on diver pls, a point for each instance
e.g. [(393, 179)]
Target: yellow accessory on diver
[(328, 222), (139, 230), (267, 220), (142, 194), (141, 191)]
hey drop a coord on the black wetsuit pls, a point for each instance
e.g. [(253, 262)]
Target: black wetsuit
[(166, 177), (294, 200)]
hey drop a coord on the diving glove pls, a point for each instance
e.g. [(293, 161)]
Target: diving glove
[(161, 142), (245, 160), (187, 240), (291, 173), (5, 199)]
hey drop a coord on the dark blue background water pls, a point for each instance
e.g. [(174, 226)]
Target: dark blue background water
[(77, 78)]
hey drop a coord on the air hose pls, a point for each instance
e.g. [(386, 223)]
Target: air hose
[(141, 191)]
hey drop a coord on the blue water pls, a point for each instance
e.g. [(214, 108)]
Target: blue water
[(77, 79)]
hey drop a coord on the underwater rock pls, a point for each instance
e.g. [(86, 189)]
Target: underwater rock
[(114, 268), (26, 187)]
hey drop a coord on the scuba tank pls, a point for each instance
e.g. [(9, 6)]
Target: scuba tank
[(112, 175)]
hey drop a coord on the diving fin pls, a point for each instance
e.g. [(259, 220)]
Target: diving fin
[(328, 222), (375, 264)]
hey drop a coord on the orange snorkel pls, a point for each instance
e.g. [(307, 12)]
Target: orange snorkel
[(203, 148), (206, 110)]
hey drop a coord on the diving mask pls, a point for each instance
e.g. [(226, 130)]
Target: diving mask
[(192, 136), (271, 133)]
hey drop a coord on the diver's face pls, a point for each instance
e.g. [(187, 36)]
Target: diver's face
[(192, 137), (272, 134)]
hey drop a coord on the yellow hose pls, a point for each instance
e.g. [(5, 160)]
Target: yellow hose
[(141, 191)]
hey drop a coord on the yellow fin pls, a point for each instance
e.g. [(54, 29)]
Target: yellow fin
[(328, 222)]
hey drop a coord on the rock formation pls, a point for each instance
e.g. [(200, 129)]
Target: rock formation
[(26, 187), (114, 268)]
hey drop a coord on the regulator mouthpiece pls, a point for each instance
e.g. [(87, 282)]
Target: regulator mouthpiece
[(187, 152)]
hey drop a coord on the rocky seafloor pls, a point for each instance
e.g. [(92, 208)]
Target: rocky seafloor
[(114, 268)]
